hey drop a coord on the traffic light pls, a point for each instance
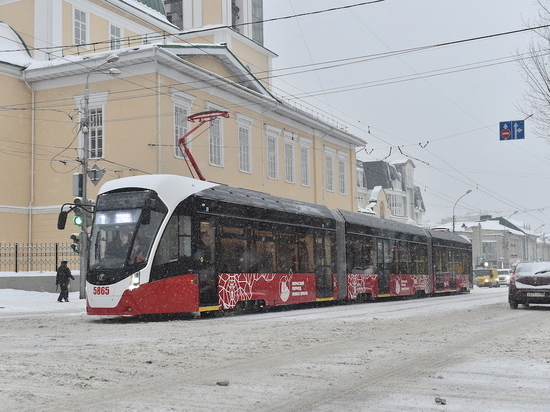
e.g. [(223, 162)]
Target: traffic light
[(79, 212), (75, 245)]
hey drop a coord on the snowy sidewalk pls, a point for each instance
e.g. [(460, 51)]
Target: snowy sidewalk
[(13, 302)]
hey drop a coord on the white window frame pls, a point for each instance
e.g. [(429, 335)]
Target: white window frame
[(361, 178), (396, 202), (244, 125), (182, 109), (329, 168), (257, 13), (272, 145), (342, 173), (82, 29), (181, 126), (305, 161), (96, 132), (96, 101), (216, 140), (290, 174), (115, 36)]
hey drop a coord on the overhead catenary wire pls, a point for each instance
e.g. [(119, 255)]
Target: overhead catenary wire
[(390, 146)]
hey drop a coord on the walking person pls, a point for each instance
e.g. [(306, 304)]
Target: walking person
[(62, 280)]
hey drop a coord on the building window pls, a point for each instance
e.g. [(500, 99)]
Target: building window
[(96, 123), (95, 134), (361, 178), (257, 21), (182, 109), (180, 127), (329, 171), (273, 152), (245, 155), (490, 250), (80, 27), (305, 145), (216, 143), (289, 160), (396, 205), (115, 36), (235, 14), (342, 176)]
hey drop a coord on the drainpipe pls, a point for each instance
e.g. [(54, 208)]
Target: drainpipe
[(31, 202), (159, 123)]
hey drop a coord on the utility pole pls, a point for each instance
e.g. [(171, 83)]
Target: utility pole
[(85, 123)]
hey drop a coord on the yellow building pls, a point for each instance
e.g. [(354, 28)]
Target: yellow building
[(50, 51)]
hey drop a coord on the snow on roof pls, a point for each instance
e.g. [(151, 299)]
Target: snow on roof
[(461, 226), (12, 47)]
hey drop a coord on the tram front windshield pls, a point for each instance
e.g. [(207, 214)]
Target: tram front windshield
[(120, 240)]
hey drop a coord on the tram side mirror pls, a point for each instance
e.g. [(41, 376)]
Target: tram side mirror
[(62, 220)]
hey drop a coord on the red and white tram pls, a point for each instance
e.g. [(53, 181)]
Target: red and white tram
[(171, 244)]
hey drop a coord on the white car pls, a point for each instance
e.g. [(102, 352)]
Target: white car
[(504, 276)]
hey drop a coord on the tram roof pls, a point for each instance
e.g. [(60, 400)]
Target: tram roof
[(381, 224), (247, 197), (446, 236)]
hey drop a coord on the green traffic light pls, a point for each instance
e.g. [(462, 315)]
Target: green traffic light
[(78, 220)]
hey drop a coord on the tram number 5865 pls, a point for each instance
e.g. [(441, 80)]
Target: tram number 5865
[(101, 290)]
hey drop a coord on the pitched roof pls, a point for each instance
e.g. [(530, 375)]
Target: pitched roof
[(13, 49), (156, 5)]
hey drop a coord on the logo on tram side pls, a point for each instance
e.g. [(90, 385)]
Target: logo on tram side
[(284, 288), (401, 284)]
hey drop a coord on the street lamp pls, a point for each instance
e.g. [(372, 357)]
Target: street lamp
[(469, 191), (85, 123), (508, 218)]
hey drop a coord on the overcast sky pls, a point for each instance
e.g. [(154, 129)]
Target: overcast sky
[(446, 119)]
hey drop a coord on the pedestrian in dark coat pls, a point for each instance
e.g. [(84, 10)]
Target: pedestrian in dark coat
[(62, 280)]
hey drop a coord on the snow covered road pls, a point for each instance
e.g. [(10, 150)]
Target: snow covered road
[(470, 350)]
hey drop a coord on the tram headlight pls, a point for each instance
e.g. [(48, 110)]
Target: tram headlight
[(134, 281)]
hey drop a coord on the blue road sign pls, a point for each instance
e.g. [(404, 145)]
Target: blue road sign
[(512, 130)]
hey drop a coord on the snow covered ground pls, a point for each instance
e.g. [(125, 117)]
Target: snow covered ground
[(450, 353)]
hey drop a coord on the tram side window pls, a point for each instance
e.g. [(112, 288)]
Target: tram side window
[(459, 265), (466, 263), (437, 260), (263, 245), (390, 256), (305, 253), (287, 255), (420, 259), (380, 254), (167, 250), (405, 265), (360, 255), (184, 236), (233, 253), (441, 260), (204, 250)]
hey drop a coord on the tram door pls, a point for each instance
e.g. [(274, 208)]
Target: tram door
[(383, 259), (204, 261), (324, 263)]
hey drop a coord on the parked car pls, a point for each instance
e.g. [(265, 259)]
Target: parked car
[(504, 276), (530, 283), (486, 277)]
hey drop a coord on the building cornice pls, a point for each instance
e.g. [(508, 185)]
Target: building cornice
[(162, 55)]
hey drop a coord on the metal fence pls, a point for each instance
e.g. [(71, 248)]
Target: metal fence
[(19, 257)]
